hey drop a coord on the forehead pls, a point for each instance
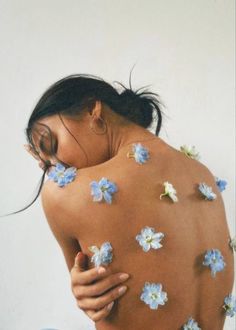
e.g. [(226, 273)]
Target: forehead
[(45, 126)]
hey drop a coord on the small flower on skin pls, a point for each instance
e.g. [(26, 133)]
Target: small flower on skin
[(149, 239), (169, 191), (215, 260), (190, 151), (153, 295), (232, 243), (139, 153), (207, 191), (61, 175), (102, 256), (230, 305), (191, 325), (221, 184), (103, 189)]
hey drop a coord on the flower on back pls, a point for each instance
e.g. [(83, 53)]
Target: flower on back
[(169, 191), (191, 325), (206, 191), (153, 295), (221, 184), (232, 243), (230, 305), (139, 153), (102, 256), (149, 239), (215, 260), (103, 189), (61, 175), (190, 151)]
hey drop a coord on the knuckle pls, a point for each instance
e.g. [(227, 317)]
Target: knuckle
[(78, 293), (79, 304), (98, 303)]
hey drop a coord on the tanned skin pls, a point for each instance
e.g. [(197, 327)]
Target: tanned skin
[(191, 226)]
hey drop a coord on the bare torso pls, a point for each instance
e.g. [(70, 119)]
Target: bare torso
[(191, 226)]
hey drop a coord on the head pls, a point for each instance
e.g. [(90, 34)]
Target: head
[(77, 117)]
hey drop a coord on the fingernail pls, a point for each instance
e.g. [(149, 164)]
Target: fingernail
[(124, 276), (109, 307), (101, 270), (122, 289)]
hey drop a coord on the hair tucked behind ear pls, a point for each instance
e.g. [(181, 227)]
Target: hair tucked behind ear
[(74, 94)]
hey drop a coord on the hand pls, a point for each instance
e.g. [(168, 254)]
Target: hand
[(90, 288), (29, 149)]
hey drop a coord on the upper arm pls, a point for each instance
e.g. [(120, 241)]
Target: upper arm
[(58, 220)]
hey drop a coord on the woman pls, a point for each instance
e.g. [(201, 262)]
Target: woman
[(133, 204)]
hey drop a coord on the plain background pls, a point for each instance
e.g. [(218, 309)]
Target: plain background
[(184, 49)]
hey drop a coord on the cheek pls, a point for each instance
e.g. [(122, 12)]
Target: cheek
[(70, 152)]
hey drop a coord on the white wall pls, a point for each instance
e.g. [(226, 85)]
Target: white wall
[(183, 48)]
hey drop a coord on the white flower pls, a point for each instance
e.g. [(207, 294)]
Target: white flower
[(169, 191), (232, 243), (190, 151), (149, 239)]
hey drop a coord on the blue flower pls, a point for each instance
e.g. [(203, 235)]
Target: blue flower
[(149, 239), (153, 295), (221, 184), (139, 153), (103, 189), (102, 256), (230, 305), (61, 175), (207, 191), (215, 260), (191, 325)]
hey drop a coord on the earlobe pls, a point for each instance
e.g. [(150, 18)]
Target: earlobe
[(97, 110)]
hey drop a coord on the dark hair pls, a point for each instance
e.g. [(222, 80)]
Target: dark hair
[(73, 94)]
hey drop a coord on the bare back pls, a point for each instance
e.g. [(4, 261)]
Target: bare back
[(191, 226)]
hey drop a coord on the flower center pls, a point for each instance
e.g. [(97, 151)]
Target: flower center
[(154, 296), (149, 239)]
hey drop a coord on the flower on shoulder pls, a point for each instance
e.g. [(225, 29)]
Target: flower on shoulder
[(215, 260), (61, 175), (207, 191), (102, 256), (169, 191), (149, 239), (191, 325), (103, 189), (190, 151), (139, 153), (230, 305), (221, 184), (232, 243), (153, 295)]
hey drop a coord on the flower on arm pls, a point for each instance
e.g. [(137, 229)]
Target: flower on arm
[(61, 175), (230, 305), (139, 153)]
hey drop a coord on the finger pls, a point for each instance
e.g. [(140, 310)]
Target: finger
[(101, 314), (80, 262), (100, 287), (100, 302)]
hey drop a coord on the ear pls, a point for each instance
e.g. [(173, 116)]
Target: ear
[(97, 110)]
